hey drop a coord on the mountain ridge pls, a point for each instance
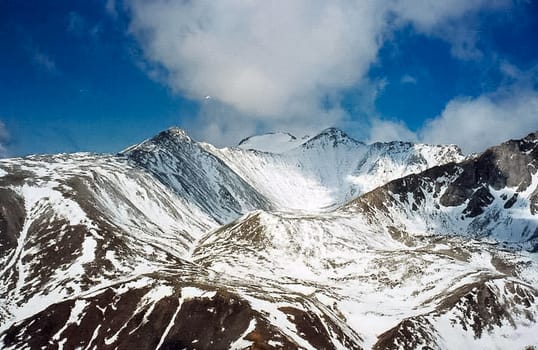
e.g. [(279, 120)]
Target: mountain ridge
[(175, 243), (329, 168)]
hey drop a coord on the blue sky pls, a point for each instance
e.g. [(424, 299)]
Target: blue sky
[(101, 75)]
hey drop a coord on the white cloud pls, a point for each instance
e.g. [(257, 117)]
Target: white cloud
[(426, 16), (463, 40), (219, 123), (477, 123), (387, 130), (456, 25), (259, 57), (277, 62)]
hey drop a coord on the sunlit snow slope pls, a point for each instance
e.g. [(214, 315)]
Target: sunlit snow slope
[(281, 243), (327, 169)]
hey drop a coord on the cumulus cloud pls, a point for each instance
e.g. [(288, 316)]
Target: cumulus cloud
[(277, 62), (388, 130), (259, 57), (477, 123)]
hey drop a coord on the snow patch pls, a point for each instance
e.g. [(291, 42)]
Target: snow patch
[(193, 292)]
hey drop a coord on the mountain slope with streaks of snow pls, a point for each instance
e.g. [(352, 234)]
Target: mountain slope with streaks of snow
[(196, 175), (329, 244), (493, 195), (370, 276)]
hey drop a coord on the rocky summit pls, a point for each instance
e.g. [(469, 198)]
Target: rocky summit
[(283, 242)]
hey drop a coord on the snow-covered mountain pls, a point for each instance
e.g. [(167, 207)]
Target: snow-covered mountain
[(320, 242), (328, 169), (492, 195), (196, 175)]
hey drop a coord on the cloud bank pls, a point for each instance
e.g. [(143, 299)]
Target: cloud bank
[(476, 123), (282, 64), (271, 61)]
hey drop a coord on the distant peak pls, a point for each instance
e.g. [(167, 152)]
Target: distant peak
[(176, 131), (173, 134), (532, 137), (527, 144), (332, 131), (332, 135)]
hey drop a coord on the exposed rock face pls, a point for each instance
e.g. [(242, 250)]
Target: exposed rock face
[(511, 164), (11, 219), (148, 314), (492, 194), (176, 244), (477, 308)]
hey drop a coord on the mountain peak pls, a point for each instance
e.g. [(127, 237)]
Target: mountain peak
[(333, 136), (172, 135), (333, 131), (188, 237), (175, 131), (531, 139)]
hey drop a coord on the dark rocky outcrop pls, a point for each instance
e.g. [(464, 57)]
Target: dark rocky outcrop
[(477, 308), (119, 318), (12, 215), (507, 167)]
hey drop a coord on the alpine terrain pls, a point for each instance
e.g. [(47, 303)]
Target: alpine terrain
[(282, 242)]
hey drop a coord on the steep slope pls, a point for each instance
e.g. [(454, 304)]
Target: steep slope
[(330, 168), (72, 222), (494, 194), (196, 175)]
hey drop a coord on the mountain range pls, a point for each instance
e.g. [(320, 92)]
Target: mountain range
[(282, 242)]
